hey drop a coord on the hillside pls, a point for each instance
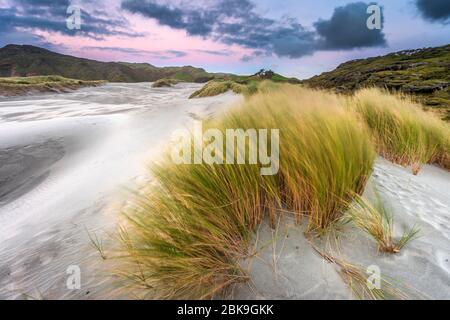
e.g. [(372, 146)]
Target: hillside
[(26, 60), (422, 72)]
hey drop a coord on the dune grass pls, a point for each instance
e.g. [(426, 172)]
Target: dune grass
[(214, 88), (12, 86), (377, 221), (41, 80), (403, 132), (247, 87), (96, 244), (165, 83), (358, 280), (185, 236)]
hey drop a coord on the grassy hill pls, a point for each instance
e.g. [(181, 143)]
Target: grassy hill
[(22, 61), (423, 73)]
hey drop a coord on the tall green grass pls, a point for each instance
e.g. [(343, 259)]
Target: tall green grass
[(186, 235), (403, 132)]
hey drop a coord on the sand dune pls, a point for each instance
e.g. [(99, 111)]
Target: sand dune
[(66, 160)]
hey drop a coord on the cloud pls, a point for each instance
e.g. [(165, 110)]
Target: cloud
[(176, 53), (223, 53), (163, 54), (255, 54), (235, 22), (194, 22), (29, 16), (347, 29), (232, 22), (434, 10)]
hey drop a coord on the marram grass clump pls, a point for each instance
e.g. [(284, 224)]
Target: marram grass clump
[(185, 235), (165, 83), (377, 221), (216, 87), (403, 132)]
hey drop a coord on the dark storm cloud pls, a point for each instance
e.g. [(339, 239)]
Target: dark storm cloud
[(234, 22), (50, 15), (231, 22), (434, 10), (347, 29)]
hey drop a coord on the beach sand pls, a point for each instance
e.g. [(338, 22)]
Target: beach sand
[(67, 164)]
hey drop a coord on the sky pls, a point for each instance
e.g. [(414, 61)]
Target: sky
[(298, 38)]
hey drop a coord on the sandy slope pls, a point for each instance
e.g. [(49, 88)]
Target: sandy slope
[(66, 161)]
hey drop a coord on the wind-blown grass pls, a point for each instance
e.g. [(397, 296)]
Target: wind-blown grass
[(97, 244), (404, 133), (165, 83), (187, 233), (376, 220)]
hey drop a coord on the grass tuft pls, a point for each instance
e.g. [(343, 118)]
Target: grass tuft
[(165, 83), (403, 132), (97, 244), (214, 88), (377, 221), (187, 233)]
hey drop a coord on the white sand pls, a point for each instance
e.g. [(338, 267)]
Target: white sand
[(286, 266), (66, 161)]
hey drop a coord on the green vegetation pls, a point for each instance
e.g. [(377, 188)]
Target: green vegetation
[(377, 221), (186, 235), (17, 60), (20, 85), (216, 87), (246, 85), (97, 244), (422, 73), (358, 280), (165, 83), (403, 132)]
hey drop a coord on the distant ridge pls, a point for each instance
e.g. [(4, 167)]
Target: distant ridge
[(26, 60)]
